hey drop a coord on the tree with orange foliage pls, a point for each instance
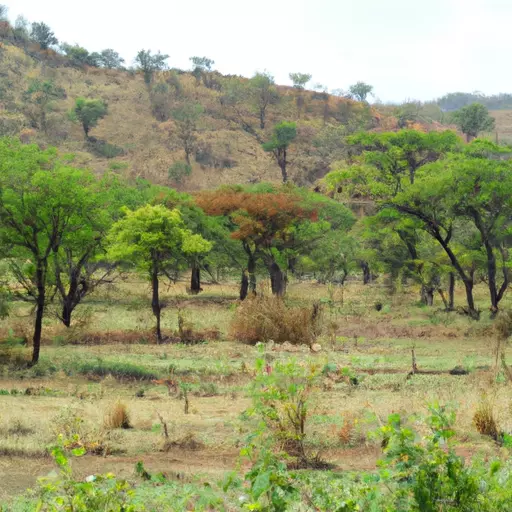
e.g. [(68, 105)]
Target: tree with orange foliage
[(264, 222)]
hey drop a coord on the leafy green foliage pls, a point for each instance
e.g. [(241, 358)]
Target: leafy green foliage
[(300, 79), (178, 171), (88, 112), (40, 97), (473, 119), (110, 59), (360, 91), (150, 63), (43, 35)]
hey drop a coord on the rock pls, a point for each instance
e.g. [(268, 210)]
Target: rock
[(316, 347), (458, 370)]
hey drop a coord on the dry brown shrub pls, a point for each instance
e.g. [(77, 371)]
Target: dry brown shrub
[(484, 420), (188, 442), (117, 417), (268, 318)]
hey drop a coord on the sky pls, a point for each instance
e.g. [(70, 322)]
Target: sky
[(407, 49)]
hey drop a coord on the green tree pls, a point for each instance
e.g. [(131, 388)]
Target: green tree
[(283, 135), (110, 59), (186, 118), (149, 64), (79, 257), (152, 238), (42, 34), (39, 98), (299, 80), (21, 29), (3, 12), (88, 112), (473, 119), (360, 91), (42, 202), (80, 56), (202, 70), (263, 94)]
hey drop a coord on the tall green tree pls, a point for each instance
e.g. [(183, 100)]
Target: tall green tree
[(284, 133), (152, 238), (42, 201), (473, 119), (110, 59), (42, 34), (150, 63), (299, 80), (88, 112), (360, 91), (263, 93)]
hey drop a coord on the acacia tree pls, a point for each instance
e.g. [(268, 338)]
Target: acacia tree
[(149, 64), (152, 238), (186, 118), (202, 70), (383, 165), (79, 260), (464, 194), (41, 203), (299, 80), (263, 221), (40, 95), (263, 94), (283, 135), (110, 59), (88, 112), (42, 34), (473, 119), (360, 91)]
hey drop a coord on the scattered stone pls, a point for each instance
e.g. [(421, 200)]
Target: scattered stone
[(316, 347)]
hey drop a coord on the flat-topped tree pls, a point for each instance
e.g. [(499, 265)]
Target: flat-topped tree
[(153, 238), (360, 91), (283, 135), (263, 220), (150, 63), (88, 112)]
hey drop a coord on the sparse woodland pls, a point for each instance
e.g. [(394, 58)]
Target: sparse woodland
[(280, 282)]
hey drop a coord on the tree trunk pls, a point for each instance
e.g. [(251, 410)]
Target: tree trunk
[(262, 118), (451, 292), (195, 279), (427, 295), (155, 303), (251, 267), (277, 279), (244, 286), (40, 301), (281, 160), (366, 272), (67, 310)]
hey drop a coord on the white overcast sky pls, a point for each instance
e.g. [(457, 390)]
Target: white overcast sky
[(408, 49)]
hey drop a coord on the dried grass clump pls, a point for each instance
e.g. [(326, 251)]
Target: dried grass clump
[(484, 420), (117, 417), (268, 318)]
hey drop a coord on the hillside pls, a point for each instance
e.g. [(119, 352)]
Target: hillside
[(143, 138)]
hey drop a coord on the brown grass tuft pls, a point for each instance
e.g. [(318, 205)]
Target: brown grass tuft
[(117, 417), (484, 420), (268, 318)]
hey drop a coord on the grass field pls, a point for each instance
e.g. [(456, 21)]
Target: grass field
[(110, 357)]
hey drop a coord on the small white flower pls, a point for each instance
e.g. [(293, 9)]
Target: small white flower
[(90, 478), (243, 498)]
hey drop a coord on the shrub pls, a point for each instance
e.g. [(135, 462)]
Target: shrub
[(268, 318), (179, 170), (104, 149), (116, 369), (117, 417), (484, 420)]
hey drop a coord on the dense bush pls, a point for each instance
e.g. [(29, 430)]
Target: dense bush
[(268, 318)]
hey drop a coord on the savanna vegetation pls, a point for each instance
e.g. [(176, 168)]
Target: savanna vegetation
[(218, 293)]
